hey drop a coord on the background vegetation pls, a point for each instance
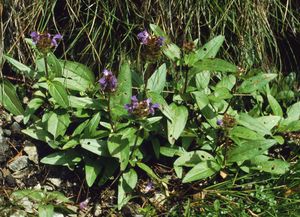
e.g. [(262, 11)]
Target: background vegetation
[(258, 33)]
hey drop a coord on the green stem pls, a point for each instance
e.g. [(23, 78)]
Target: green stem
[(109, 113), (46, 66), (145, 76), (185, 81)]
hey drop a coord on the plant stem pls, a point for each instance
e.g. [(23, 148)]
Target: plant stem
[(185, 81), (109, 113), (46, 66), (145, 76)]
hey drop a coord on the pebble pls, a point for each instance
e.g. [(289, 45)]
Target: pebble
[(57, 214), (15, 127), (4, 148), (19, 163), (11, 182), (18, 118), (55, 181), (7, 132), (31, 150)]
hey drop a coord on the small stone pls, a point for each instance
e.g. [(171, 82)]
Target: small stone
[(19, 213), (19, 163), (27, 204), (159, 199), (15, 127), (4, 148), (31, 150), (25, 100), (37, 187), (7, 132), (11, 182), (18, 118), (55, 181), (98, 210), (55, 214)]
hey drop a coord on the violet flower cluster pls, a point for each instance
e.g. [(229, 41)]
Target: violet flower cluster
[(45, 41), (141, 108), (108, 83), (147, 39)]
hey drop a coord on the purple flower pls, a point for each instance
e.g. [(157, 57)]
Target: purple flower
[(108, 82), (151, 106), (83, 205), (35, 37), (160, 41), (143, 37), (53, 40), (141, 108), (149, 187), (45, 41), (220, 122)]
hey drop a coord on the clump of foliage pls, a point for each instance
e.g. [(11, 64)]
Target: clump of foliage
[(210, 118)]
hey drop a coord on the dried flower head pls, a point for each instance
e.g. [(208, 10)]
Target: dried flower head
[(45, 41), (188, 46), (141, 108), (108, 82)]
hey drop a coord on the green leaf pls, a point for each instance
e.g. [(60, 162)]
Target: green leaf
[(202, 80), (110, 166), (70, 144), (54, 66), (219, 94), (163, 106), (20, 66), (123, 93), (9, 99), (227, 82), (276, 108), (213, 65), (57, 124), (255, 83), (80, 128), (148, 170), (36, 195), (244, 133), (64, 158), (293, 112), (92, 169), (253, 124), (130, 180), (156, 82), (59, 93), (85, 102), (38, 134), (269, 165), (269, 121), (179, 119), (73, 84), (158, 31), (98, 147), (79, 73), (32, 106), (120, 149), (46, 210), (201, 171), (207, 111), (91, 127), (249, 149), (190, 159), (172, 51), (209, 50), (171, 151)]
